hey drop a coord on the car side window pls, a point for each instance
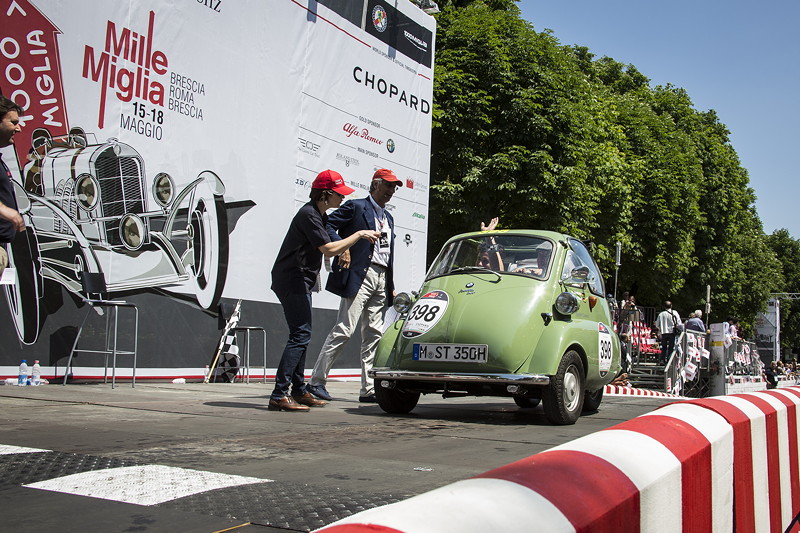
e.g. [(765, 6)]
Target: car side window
[(579, 256)]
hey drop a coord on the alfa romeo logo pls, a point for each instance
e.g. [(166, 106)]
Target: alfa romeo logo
[(379, 18)]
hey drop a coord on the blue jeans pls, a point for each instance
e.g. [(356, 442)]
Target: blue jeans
[(291, 369)]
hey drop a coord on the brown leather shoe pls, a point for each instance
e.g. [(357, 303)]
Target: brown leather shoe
[(285, 404), (309, 400)]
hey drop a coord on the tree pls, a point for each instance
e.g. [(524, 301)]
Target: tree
[(548, 136), (787, 251)]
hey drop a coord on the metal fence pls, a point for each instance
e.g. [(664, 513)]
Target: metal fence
[(692, 367)]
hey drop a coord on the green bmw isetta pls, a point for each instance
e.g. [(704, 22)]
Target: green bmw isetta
[(514, 313)]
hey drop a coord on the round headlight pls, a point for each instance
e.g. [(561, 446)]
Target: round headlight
[(567, 303), (402, 303), (131, 229), (86, 191), (163, 189)]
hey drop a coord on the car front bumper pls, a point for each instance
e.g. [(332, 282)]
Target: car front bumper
[(447, 377)]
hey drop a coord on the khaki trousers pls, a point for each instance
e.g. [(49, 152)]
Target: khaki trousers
[(366, 307)]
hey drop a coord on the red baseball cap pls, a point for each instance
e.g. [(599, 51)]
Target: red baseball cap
[(332, 180), (386, 175)]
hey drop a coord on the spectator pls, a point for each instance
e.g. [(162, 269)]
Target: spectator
[(10, 220), (695, 322), (770, 375), (666, 322), (733, 327), (625, 357)]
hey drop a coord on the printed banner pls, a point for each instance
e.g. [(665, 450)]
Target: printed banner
[(168, 144)]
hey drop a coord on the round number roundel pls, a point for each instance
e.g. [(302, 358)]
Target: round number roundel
[(428, 310), (604, 348)]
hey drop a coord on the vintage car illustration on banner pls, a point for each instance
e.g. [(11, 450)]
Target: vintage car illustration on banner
[(90, 206), (514, 313)]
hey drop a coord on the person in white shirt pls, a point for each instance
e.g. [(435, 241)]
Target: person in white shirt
[(666, 322)]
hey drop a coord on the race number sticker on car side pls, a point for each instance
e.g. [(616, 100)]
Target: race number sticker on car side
[(605, 349), (428, 310)]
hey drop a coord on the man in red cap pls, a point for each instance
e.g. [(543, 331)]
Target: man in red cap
[(294, 277), (363, 277)]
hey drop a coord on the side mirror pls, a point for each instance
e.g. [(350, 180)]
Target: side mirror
[(578, 276), (581, 273)]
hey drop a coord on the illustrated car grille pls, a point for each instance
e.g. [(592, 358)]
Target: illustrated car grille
[(120, 189)]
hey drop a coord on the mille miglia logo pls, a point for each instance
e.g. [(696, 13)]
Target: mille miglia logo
[(135, 51)]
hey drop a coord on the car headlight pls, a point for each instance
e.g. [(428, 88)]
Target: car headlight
[(163, 189), (402, 303), (567, 303), (86, 191), (131, 230)]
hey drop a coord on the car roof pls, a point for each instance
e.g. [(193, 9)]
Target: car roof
[(552, 235)]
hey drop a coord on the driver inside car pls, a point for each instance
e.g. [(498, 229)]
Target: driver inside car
[(491, 256), (525, 266)]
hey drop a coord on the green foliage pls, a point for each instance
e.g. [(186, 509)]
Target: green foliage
[(548, 136), (787, 250)]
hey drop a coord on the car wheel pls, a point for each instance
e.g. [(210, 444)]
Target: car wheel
[(563, 398), (591, 400), (395, 400), (23, 295), (525, 402), (208, 240)]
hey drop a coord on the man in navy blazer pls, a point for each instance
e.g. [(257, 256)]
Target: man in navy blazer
[(363, 277)]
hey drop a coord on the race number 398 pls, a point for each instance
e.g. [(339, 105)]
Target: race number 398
[(605, 348), (428, 310)]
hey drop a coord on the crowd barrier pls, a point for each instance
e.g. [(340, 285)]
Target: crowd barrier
[(721, 464)]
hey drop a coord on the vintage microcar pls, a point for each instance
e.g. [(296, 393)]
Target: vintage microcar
[(90, 206), (514, 313)]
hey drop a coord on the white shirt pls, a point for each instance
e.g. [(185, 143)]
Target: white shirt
[(382, 248), (666, 320)]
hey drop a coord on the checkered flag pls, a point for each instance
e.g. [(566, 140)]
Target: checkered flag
[(226, 359), (229, 360)]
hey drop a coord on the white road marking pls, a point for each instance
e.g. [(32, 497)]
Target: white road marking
[(143, 485)]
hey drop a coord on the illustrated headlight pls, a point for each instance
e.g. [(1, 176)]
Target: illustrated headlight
[(163, 189), (402, 303), (86, 191), (567, 303), (131, 229)]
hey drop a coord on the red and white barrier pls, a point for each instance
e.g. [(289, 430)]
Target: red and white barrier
[(617, 390), (722, 464)]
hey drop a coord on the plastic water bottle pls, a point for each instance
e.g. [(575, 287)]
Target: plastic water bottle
[(23, 373), (36, 374)]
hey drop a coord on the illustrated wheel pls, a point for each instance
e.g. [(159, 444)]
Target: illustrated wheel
[(525, 402), (591, 400), (207, 226), (563, 398), (395, 401), (23, 295)]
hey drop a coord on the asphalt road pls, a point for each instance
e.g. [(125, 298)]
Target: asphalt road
[(322, 465)]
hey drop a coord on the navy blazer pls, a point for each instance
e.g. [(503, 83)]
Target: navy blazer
[(352, 216)]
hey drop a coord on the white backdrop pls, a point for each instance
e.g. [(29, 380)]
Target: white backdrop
[(263, 93)]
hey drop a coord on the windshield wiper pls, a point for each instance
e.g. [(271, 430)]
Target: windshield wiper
[(476, 268)]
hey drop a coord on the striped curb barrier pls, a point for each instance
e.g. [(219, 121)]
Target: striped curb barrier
[(616, 390), (721, 464)]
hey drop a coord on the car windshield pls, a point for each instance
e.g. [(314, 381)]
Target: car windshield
[(505, 254)]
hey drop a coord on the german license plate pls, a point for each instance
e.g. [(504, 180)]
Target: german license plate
[(456, 353)]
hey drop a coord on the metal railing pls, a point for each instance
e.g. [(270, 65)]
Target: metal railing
[(692, 367)]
